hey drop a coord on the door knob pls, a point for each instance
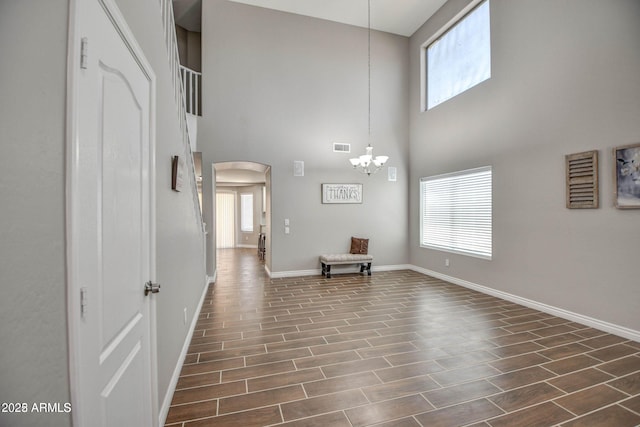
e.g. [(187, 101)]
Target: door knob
[(151, 287)]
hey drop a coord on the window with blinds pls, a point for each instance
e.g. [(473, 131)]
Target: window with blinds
[(246, 213), (455, 211)]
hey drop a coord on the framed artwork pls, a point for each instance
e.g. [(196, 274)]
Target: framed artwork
[(582, 180), (177, 173), (627, 176), (341, 193)]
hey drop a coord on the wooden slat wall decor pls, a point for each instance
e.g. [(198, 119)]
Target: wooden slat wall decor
[(582, 180)]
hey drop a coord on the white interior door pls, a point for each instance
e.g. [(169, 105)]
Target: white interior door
[(111, 223)]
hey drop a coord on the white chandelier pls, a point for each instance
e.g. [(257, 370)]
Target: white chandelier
[(367, 163)]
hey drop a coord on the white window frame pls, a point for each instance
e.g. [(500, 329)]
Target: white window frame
[(425, 46), (246, 204), (465, 215)]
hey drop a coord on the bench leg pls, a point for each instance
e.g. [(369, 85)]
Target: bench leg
[(367, 266), (326, 270)]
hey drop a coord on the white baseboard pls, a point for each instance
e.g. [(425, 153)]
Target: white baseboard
[(212, 279), (342, 270), (392, 267), (545, 308), (293, 273), (166, 403)]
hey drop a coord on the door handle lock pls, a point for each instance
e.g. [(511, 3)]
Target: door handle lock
[(151, 287)]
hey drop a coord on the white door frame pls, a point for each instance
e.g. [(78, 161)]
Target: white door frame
[(72, 233)]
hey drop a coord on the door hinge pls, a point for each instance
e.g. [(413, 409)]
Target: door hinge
[(84, 52), (151, 288), (83, 302)]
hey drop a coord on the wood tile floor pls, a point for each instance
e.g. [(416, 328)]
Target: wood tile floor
[(394, 349)]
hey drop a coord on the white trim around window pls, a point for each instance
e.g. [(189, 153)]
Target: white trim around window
[(456, 212)]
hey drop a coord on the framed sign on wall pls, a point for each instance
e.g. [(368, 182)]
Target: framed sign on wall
[(341, 193)]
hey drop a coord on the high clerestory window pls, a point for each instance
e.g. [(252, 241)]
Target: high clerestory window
[(458, 57)]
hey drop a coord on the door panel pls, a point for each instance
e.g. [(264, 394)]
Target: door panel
[(120, 388), (111, 219), (119, 189)]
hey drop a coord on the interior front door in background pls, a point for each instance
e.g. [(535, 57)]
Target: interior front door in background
[(111, 223)]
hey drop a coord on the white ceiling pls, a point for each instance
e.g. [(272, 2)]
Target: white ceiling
[(401, 17)]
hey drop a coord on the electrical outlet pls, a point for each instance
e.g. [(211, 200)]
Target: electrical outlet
[(446, 262), (185, 315)]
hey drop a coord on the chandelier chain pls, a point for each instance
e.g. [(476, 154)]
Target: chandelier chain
[(368, 163), (369, 61)]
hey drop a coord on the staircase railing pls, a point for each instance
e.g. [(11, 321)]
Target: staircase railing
[(166, 12), (192, 92)]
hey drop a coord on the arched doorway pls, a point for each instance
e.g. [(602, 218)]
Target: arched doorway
[(243, 207)]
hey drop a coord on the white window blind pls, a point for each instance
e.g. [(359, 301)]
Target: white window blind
[(461, 58), (225, 220), (246, 213), (455, 212)]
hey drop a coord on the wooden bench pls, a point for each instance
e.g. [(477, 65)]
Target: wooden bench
[(338, 259)]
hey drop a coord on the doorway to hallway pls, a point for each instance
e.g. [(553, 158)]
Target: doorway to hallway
[(243, 207)]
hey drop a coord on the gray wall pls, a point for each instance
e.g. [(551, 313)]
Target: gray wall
[(565, 79), (33, 317), (280, 87), (33, 313)]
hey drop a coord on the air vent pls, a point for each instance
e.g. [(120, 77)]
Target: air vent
[(582, 180), (340, 147)]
